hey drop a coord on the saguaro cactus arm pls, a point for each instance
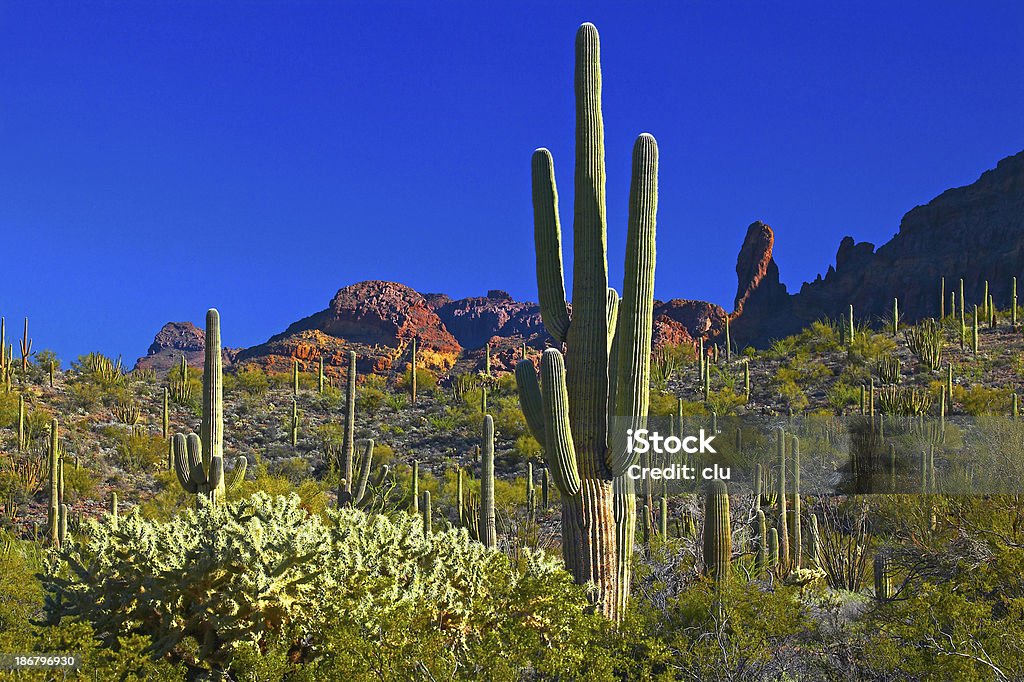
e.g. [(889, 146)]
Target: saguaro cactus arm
[(636, 310), (559, 448), (547, 235)]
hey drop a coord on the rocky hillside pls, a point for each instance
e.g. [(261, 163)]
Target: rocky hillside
[(380, 319), (974, 232)]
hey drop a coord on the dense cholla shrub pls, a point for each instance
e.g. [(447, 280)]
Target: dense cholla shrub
[(251, 574)]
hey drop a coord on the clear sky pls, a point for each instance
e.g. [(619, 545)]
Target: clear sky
[(157, 159)]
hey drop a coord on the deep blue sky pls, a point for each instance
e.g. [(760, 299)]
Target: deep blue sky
[(160, 158)]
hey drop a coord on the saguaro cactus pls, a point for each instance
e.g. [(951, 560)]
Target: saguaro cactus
[(782, 520), (54, 512), (345, 486), (717, 532), (609, 366), (199, 458), (798, 551), (488, 531)]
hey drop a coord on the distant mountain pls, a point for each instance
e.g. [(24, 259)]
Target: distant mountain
[(974, 232)]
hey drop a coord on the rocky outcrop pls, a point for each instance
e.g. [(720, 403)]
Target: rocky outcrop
[(974, 232), (476, 320), (683, 322), (377, 318), (174, 340)]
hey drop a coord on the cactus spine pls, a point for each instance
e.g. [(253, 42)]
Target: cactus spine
[(609, 343), (487, 530), (717, 532)]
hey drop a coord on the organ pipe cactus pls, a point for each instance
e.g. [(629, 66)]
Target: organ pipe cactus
[(427, 528), (608, 344), (113, 509), (320, 376), (487, 531), (773, 549), (717, 532)]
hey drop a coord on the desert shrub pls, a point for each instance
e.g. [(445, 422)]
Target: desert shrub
[(251, 379), (725, 401), (868, 347), (426, 381), (979, 400), (138, 450), (263, 575), (369, 399), (79, 482), (841, 394)]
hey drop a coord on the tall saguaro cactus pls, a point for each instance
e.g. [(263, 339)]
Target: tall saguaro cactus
[(199, 458), (607, 363), (487, 530)]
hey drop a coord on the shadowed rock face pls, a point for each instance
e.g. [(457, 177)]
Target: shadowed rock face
[(174, 340), (476, 320), (974, 232), (683, 322)]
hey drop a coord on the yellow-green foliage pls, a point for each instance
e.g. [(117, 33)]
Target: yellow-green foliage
[(980, 400), (725, 401), (136, 449)]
